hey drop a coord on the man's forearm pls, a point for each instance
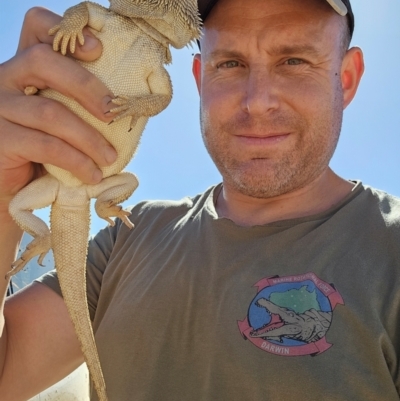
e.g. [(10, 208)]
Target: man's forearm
[(10, 237)]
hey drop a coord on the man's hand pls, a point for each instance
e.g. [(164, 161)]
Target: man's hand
[(35, 130)]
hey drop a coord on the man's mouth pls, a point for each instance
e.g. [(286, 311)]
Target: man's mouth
[(269, 139)]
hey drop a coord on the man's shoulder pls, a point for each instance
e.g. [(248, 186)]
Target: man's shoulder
[(383, 203), (169, 209), (387, 202)]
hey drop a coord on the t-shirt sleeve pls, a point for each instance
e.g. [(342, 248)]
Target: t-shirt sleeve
[(99, 250), (50, 280)]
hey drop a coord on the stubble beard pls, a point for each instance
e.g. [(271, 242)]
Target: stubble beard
[(261, 176)]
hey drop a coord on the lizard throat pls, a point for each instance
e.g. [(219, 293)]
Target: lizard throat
[(156, 35)]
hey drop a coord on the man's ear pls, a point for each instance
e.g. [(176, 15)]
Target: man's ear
[(352, 71), (196, 69)]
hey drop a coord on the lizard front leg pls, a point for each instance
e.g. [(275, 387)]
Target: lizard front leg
[(74, 20), (71, 27), (111, 191), (38, 194), (139, 106)]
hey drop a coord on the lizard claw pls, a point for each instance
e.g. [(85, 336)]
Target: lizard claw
[(126, 108), (16, 266), (105, 210), (41, 258), (120, 100), (39, 246)]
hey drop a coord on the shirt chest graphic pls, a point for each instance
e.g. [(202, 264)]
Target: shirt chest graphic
[(290, 316)]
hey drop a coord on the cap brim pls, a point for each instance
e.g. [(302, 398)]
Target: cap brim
[(205, 6)]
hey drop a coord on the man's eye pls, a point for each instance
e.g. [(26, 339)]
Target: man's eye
[(229, 64), (294, 61)]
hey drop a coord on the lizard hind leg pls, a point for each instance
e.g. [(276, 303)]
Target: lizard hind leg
[(40, 246), (38, 194), (111, 191)]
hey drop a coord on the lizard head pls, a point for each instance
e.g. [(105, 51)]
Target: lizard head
[(177, 20)]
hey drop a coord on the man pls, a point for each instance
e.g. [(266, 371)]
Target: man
[(282, 283)]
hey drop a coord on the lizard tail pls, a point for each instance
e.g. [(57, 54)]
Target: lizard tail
[(70, 233)]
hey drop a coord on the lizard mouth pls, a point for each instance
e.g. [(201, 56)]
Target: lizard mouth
[(275, 323)]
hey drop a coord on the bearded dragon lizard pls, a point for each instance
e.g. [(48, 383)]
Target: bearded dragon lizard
[(135, 35)]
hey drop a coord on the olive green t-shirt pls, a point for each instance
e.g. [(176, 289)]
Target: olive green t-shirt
[(189, 306)]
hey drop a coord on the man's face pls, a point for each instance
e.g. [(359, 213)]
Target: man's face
[(271, 92)]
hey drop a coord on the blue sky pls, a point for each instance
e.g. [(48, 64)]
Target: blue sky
[(171, 161)]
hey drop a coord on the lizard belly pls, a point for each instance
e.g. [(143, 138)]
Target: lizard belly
[(124, 73)]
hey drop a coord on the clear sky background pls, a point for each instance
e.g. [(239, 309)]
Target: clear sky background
[(172, 162)]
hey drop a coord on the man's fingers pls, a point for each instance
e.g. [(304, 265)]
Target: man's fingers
[(21, 146), (26, 69), (45, 114), (37, 24)]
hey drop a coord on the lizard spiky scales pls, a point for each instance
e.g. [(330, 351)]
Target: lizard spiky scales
[(135, 35)]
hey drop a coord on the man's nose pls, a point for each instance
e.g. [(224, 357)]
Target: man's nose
[(260, 93)]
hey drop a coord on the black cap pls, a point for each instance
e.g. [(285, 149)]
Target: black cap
[(343, 7)]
